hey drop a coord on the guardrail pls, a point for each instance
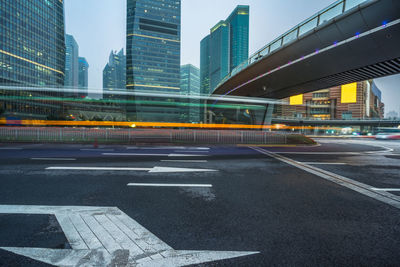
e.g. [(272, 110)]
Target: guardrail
[(134, 136)]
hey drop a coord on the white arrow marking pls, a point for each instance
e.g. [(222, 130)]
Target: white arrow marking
[(101, 236), (152, 155), (154, 169)]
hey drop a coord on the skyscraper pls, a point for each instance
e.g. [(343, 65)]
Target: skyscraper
[(190, 85), (114, 74), (71, 62), (224, 48), (32, 53), (153, 53), (32, 46), (83, 70)]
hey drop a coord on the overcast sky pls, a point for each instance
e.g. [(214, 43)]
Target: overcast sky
[(99, 26)]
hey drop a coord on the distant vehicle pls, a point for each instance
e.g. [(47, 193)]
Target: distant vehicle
[(388, 136)]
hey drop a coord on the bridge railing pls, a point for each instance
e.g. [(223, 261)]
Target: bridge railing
[(327, 14)]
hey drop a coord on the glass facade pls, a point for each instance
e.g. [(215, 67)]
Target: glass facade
[(83, 82), (205, 66), (153, 45), (71, 62), (32, 50), (114, 74), (190, 85), (225, 48), (153, 56)]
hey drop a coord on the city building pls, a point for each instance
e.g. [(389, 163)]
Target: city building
[(71, 62), (153, 55), (32, 53), (114, 75), (226, 47), (360, 100), (83, 69), (190, 85)]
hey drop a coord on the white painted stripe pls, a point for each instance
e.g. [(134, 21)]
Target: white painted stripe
[(55, 159), (11, 148), (84, 231), (193, 151), (74, 239), (102, 235), (116, 233), (99, 168), (153, 155), (181, 160), (361, 188), (386, 189), (96, 149), (324, 163), (169, 185), (152, 170)]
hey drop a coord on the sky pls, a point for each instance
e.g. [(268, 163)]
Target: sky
[(99, 26)]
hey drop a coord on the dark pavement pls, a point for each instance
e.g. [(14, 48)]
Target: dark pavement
[(256, 203)]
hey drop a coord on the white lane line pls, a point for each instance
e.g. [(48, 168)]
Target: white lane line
[(386, 189), (57, 159), (361, 188), (193, 151), (168, 147), (96, 149), (170, 185), (11, 148), (324, 163), (181, 160), (153, 155), (150, 170)]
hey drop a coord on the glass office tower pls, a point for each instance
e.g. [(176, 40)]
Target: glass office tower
[(114, 75), (83, 70), (153, 52), (190, 85), (226, 47), (32, 46), (71, 62)]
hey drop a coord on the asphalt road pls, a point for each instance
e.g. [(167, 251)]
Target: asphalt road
[(235, 199)]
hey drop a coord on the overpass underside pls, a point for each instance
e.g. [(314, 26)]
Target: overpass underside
[(361, 44)]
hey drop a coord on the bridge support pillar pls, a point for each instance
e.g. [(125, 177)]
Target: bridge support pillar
[(269, 109)]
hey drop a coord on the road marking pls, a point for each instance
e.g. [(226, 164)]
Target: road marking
[(52, 159), (96, 149), (194, 151), (181, 160), (169, 185), (386, 189), (153, 155), (334, 153), (324, 163), (150, 170), (364, 189), (168, 147), (11, 148), (106, 236)]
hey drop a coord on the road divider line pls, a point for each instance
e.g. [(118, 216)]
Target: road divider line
[(96, 149), (324, 163), (386, 189), (361, 188), (150, 170), (188, 161), (170, 185), (55, 159), (11, 148), (194, 151), (153, 155)]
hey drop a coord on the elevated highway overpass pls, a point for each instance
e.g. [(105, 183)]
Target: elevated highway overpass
[(349, 41)]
